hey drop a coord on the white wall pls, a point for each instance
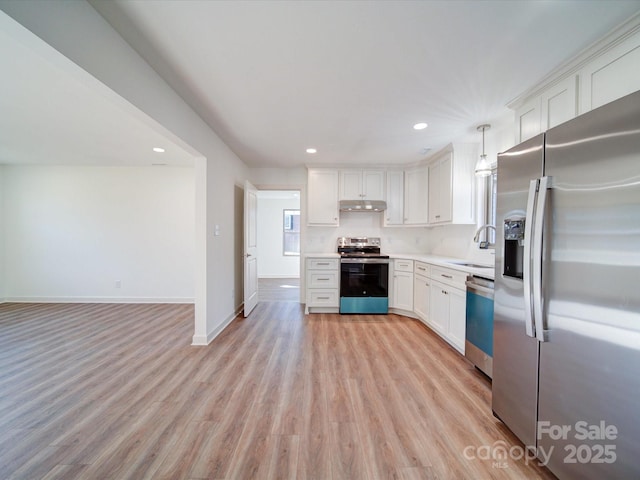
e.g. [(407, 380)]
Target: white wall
[(271, 261), (219, 172), (71, 233)]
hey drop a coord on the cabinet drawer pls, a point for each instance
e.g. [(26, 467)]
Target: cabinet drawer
[(422, 268), (322, 264), (403, 265), (326, 279), (450, 277), (322, 298)]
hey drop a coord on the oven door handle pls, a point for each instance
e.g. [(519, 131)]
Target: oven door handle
[(365, 260)]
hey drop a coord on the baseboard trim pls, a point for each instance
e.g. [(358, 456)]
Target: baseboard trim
[(99, 300), (203, 340)]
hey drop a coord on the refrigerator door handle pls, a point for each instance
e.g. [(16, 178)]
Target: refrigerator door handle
[(526, 272), (536, 252)]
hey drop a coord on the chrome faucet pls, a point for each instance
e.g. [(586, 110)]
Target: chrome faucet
[(476, 237)]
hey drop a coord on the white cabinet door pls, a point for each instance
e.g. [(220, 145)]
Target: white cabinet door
[(403, 290), (373, 184), (528, 120), (440, 190), (612, 75), (322, 198), (361, 184), (559, 103), (439, 308), (395, 198), (457, 317), (416, 196), (350, 185), (421, 294)]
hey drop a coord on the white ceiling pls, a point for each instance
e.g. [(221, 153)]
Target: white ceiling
[(351, 77), (55, 113), (275, 77)]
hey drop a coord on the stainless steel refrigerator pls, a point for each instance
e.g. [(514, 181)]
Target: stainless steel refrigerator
[(566, 366)]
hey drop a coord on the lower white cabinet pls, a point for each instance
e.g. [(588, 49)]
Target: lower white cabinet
[(447, 314), (421, 296), (402, 285), (322, 282)]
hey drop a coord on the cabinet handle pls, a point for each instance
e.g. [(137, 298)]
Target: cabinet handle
[(445, 276), (446, 293), (437, 216), (421, 268), (323, 279), (323, 263), (323, 298)]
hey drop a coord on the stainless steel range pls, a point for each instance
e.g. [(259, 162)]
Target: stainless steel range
[(364, 276)]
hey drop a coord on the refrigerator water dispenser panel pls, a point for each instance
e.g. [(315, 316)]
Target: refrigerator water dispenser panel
[(513, 247)]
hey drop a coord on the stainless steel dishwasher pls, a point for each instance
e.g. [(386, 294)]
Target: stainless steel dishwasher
[(478, 346)]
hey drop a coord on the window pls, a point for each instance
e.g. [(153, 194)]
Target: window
[(291, 232)]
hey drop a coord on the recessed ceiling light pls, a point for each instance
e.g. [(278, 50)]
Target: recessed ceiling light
[(311, 150), (158, 149), (420, 126)]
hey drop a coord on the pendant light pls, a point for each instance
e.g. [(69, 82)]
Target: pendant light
[(483, 167)]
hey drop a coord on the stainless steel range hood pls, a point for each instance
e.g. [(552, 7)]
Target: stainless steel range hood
[(362, 205)]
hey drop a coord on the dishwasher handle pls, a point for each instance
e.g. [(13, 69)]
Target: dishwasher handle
[(479, 289)]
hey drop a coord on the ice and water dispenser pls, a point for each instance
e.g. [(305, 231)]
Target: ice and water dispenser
[(513, 247)]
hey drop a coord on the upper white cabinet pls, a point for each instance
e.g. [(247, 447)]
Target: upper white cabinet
[(394, 215), (452, 186), (322, 197), (605, 72), (555, 106), (612, 75), (416, 195), (361, 184)]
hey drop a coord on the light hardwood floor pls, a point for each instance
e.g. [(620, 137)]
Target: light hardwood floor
[(116, 391)]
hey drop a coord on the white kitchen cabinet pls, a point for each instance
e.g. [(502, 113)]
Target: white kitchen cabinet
[(457, 318), (601, 74), (611, 75), (421, 296), (322, 283), (362, 184), (395, 198), (559, 103), (452, 185), (402, 285), (416, 196), (447, 314), (554, 106), (439, 308), (528, 120), (322, 197)]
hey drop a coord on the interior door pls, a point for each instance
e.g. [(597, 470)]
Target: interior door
[(250, 248)]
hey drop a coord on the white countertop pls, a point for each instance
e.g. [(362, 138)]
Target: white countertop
[(448, 262)]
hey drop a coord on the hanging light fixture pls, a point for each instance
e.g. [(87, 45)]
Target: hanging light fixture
[(483, 167)]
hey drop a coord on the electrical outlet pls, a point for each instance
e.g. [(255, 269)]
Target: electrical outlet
[(118, 284)]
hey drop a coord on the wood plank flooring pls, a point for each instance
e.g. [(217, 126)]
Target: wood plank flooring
[(117, 392)]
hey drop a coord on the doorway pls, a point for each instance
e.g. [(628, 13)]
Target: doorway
[(279, 234)]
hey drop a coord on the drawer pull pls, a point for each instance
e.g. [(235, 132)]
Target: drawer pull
[(445, 276), (323, 279), (421, 268), (323, 263), (323, 298), (446, 293)]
